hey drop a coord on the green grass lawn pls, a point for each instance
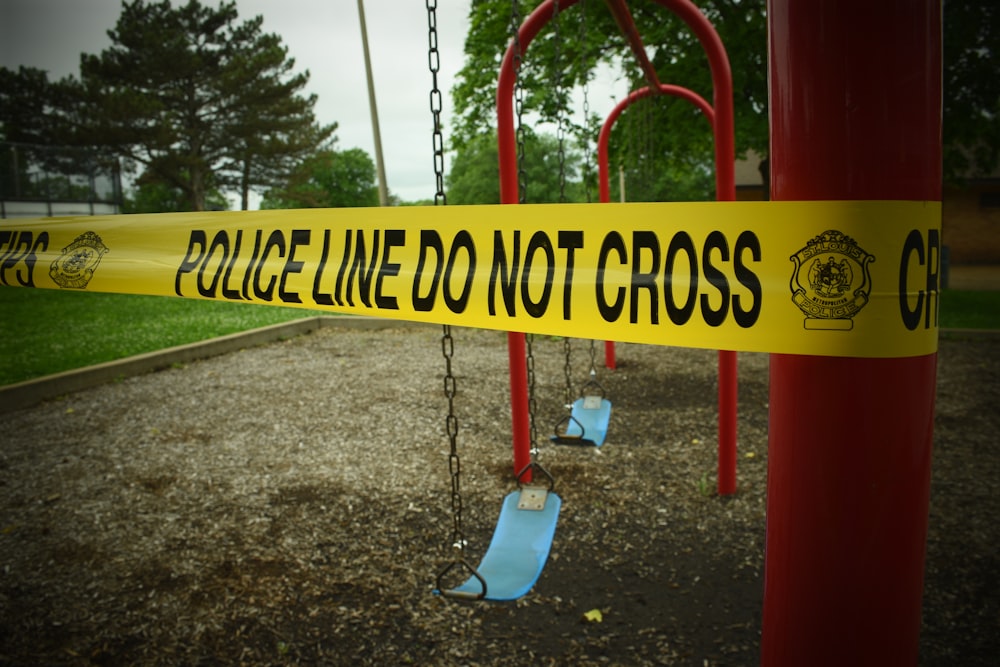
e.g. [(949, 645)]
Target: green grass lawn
[(966, 309), (46, 331)]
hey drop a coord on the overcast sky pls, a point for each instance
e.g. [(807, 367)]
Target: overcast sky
[(324, 37)]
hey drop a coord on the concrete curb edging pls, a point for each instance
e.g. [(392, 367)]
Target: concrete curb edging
[(31, 392)]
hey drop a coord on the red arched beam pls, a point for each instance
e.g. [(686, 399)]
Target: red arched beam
[(603, 176), (603, 139)]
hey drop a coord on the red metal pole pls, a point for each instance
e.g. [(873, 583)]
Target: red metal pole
[(728, 400), (519, 413), (725, 190), (507, 148), (610, 360), (855, 114)]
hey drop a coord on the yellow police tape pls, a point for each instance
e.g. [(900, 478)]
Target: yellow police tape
[(841, 278)]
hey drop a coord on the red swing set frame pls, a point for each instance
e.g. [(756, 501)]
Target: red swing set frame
[(720, 115)]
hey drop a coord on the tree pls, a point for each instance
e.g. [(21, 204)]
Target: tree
[(971, 58), (971, 88), (152, 196), (474, 177), (659, 136), (197, 99), (27, 106), (36, 130), (328, 179)]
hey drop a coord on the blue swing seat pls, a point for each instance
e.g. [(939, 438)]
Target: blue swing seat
[(517, 553), (587, 422)]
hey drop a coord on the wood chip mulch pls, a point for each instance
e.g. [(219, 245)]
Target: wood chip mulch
[(290, 504)]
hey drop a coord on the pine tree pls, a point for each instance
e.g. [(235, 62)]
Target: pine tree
[(199, 100)]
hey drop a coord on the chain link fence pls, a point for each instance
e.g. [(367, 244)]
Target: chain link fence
[(57, 180)]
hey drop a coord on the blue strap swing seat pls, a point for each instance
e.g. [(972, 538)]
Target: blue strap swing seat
[(587, 422), (519, 548)]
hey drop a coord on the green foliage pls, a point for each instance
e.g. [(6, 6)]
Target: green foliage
[(35, 160), (30, 107), (672, 140), (475, 175), (971, 88), (328, 179), (579, 49), (655, 168), (664, 144), (150, 196), (50, 331)]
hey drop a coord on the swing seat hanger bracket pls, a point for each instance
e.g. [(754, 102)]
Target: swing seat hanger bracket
[(533, 495), (593, 388), (562, 430), (460, 565), (532, 498)]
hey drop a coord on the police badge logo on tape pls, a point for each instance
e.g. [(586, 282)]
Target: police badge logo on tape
[(78, 262), (831, 282)]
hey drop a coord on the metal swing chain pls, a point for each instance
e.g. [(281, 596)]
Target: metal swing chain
[(434, 63), (568, 372), (447, 342), (515, 26), (515, 23), (529, 340), (561, 138), (560, 120), (587, 156), (451, 426)]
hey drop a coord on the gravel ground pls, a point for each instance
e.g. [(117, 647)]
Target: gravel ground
[(290, 504)]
